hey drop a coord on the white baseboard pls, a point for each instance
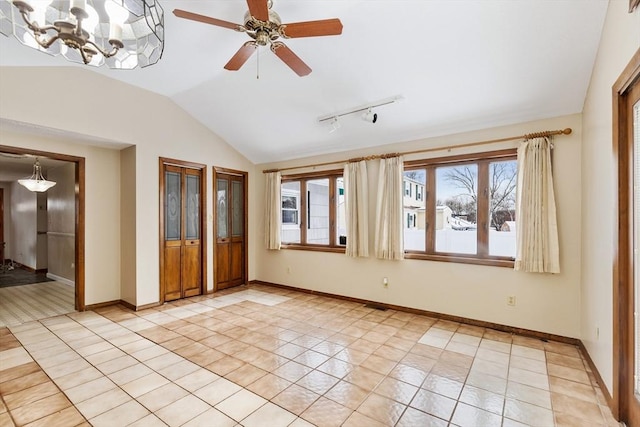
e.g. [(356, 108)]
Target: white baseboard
[(61, 279)]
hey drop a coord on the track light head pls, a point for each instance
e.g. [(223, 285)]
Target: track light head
[(369, 116), (335, 125)]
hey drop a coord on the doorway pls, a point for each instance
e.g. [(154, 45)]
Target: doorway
[(230, 223), (182, 229), (78, 217), (626, 285)]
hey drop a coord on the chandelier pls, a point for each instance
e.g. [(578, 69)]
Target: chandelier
[(122, 34), (36, 181)]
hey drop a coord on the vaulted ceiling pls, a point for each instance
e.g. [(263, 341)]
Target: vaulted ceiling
[(459, 65)]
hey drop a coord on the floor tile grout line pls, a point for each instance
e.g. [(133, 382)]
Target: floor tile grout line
[(325, 339)]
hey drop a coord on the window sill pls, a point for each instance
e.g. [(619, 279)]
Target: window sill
[(493, 262), (315, 248)]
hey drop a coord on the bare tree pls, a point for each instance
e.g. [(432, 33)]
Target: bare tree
[(416, 175), (502, 184)]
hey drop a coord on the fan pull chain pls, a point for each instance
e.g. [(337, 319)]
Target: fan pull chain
[(258, 64)]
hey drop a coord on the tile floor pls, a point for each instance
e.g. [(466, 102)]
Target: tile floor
[(262, 356)]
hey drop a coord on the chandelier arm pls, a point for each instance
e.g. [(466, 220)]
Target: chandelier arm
[(33, 26), (45, 43), (39, 32), (104, 52)]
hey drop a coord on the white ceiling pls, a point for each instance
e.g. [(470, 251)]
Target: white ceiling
[(460, 65)]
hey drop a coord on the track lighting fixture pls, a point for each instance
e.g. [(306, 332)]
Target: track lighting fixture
[(369, 116)]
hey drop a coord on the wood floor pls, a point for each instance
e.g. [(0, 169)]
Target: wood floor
[(25, 303)]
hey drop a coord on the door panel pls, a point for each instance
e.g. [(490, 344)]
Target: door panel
[(237, 262), (172, 273), (222, 262), (182, 214), (231, 216)]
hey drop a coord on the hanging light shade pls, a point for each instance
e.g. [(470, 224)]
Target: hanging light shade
[(36, 181), (123, 34)]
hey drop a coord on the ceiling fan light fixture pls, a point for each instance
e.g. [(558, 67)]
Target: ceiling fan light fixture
[(36, 181), (264, 26)]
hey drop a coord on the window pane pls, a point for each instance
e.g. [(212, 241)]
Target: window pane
[(414, 210), (318, 211), (341, 229), (502, 208), (237, 210), (636, 243), (193, 207), (456, 209), (172, 206), (221, 206), (290, 232)]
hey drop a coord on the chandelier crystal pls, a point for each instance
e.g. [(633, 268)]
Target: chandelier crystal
[(123, 34), (36, 181)]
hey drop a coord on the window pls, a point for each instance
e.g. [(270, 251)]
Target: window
[(465, 208), (290, 209), (313, 213)]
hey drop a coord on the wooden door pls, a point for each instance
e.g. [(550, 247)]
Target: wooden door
[(231, 224), (182, 269), (626, 290), (2, 225), (631, 343)]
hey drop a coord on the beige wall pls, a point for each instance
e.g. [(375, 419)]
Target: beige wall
[(620, 40), (548, 303), (128, 225), (128, 116), (61, 210), (102, 205)]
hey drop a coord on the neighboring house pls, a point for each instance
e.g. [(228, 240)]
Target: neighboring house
[(413, 203)]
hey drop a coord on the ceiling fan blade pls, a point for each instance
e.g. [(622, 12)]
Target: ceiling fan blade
[(241, 56), (325, 27), (259, 9), (205, 19), (291, 59)]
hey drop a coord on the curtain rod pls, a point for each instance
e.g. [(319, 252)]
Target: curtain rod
[(526, 136)]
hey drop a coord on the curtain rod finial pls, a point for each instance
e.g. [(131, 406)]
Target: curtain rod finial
[(567, 131)]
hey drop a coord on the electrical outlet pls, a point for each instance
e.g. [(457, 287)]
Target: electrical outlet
[(385, 282), (511, 300)]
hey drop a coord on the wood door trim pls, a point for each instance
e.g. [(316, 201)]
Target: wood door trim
[(622, 262), (80, 222), (245, 190), (162, 161)]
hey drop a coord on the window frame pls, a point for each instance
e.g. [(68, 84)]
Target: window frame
[(302, 178), (482, 159)]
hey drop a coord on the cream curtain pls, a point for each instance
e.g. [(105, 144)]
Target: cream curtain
[(356, 208), (537, 247), (273, 210), (389, 211)]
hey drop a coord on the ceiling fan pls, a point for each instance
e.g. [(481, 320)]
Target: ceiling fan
[(265, 27)]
